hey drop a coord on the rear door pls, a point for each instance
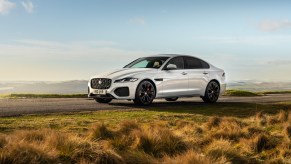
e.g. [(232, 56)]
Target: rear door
[(198, 75), (175, 82)]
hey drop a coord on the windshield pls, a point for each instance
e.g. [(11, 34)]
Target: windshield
[(147, 62)]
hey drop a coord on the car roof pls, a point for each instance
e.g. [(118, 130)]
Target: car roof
[(170, 55)]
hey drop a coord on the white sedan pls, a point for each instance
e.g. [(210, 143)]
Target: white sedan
[(162, 76)]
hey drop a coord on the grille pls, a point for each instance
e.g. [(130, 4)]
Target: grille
[(100, 83)]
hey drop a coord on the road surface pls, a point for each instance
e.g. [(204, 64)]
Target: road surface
[(14, 107)]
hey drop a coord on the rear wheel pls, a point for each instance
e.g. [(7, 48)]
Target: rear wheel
[(172, 99), (103, 100), (145, 93), (212, 92)]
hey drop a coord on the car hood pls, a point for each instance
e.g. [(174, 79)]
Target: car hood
[(125, 72)]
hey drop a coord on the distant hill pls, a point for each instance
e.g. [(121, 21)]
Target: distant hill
[(66, 87), (257, 86), (80, 86)]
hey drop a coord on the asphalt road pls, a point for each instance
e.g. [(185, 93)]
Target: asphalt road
[(13, 107)]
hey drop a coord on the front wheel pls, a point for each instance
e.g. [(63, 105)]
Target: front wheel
[(103, 100), (211, 93), (145, 93)]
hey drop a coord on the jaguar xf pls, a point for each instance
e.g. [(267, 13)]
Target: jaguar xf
[(167, 76)]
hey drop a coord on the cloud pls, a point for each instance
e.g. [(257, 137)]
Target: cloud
[(274, 25), (6, 6), (138, 21), (28, 6)]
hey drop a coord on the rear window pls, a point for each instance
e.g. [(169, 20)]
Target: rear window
[(204, 64), (194, 63)]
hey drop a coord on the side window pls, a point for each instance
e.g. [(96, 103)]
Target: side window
[(141, 64), (192, 63), (178, 61), (204, 64)]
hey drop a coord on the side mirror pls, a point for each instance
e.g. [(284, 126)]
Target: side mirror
[(171, 67)]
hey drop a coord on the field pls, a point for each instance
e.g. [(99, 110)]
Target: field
[(207, 133)]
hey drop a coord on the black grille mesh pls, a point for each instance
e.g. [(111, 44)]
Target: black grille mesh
[(100, 83)]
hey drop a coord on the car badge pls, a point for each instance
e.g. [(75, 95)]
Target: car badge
[(99, 82)]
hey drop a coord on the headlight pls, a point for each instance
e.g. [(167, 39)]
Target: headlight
[(124, 80)]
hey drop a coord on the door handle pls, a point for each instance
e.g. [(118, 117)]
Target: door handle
[(205, 73), (184, 73)]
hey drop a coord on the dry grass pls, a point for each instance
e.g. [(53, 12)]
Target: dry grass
[(189, 157), (260, 138)]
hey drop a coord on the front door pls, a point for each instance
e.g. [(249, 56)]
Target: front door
[(175, 81)]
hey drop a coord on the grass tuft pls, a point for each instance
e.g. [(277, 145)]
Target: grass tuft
[(223, 149), (288, 131), (188, 157), (3, 141), (263, 142), (213, 122), (128, 125), (101, 131), (283, 116), (159, 142), (23, 153)]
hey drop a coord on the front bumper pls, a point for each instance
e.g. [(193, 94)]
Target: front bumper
[(116, 91)]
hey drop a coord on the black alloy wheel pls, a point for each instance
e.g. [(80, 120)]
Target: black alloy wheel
[(145, 93), (212, 92)]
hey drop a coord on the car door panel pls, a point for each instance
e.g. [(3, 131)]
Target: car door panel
[(175, 83), (197, 74), (197, 81)]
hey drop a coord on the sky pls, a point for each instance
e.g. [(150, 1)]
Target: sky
[(53, 40)]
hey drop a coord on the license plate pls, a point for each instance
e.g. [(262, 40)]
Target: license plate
[(99, 92)]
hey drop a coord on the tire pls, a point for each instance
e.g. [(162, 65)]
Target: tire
[(212, 92), (172, 99), (103, 100), (145, 93)]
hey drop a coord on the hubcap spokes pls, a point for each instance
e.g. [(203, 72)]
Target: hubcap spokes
[(146, 92), (213, 91)]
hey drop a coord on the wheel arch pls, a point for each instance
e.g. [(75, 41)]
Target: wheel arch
[(215, 80), (151, 81)]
